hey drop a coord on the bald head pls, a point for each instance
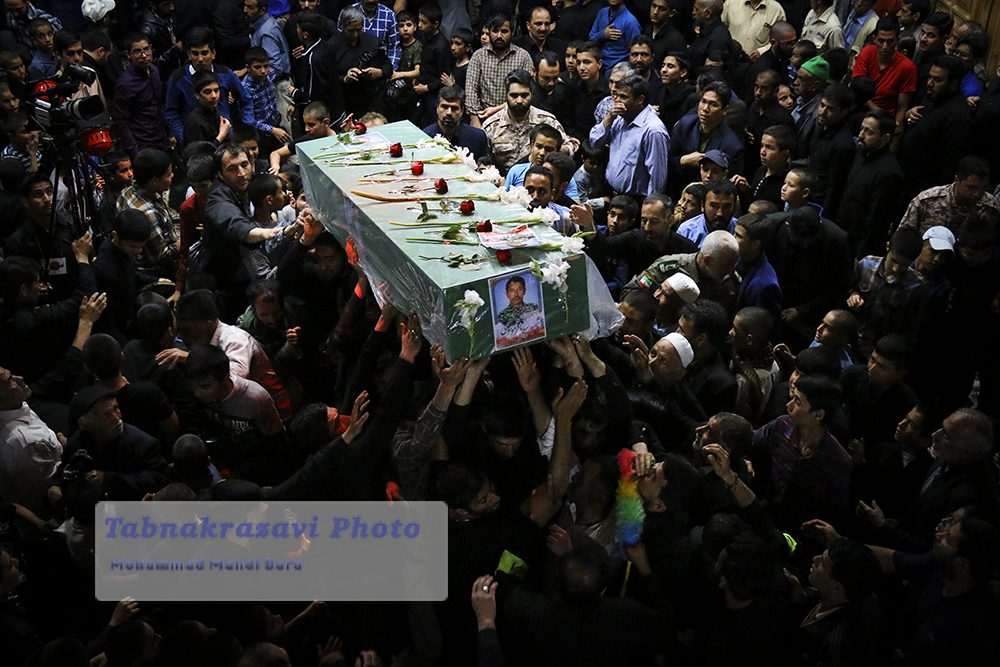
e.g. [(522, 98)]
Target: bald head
[(719, 254), (782, 30)]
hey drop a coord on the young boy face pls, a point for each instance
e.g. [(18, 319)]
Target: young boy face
[(619, 221), (571, 60), (459, 49), (315, 127), (785, 97), (42, 38), (121, 174), (21, 136), (406, 29), (770, 156), (797, 57), (591, 166), (711, 171), (587, 66), (208, 96), (484, 37), (252, 149), (9, 101), (16, 70), (259, 70), (690, 206), (426, 26), (792, 191), (201, 188)]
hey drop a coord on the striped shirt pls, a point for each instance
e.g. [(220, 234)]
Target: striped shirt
[(383, 26), (263, 101), (486, 80)]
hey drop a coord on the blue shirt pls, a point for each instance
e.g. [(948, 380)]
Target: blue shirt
[(638, 152), (614, 51), (181, 100), (266, 33), (515, 177), (696, 229), (971, 85), (264, 100), (853, 26), (43, 65)]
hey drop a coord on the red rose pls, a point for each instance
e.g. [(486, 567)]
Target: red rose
[(468, 207), (417, 167), (396, 150), (484, 226), (503, 255), (441, 186), (360, 128)]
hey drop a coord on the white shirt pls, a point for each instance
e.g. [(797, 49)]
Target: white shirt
[(29, 455), (750, 26), (825, 31)]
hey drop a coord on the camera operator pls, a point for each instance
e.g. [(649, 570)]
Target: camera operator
[(68, 48)]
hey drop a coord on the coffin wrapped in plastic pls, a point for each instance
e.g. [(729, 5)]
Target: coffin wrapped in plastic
[(394, 196)]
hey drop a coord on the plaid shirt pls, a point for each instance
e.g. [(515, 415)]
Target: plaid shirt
[(263, 101), (383, 26), (20, 27), (486, 80), (161, 254)]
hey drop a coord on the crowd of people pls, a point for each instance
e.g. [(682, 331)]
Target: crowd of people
[(791, 201)]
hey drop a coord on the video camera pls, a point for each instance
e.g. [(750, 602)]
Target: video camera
[(85, 120)]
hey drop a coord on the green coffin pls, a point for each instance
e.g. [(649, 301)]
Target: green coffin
[(514, 314)]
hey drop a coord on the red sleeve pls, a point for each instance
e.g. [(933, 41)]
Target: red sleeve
[(864, 61), (908, 77)]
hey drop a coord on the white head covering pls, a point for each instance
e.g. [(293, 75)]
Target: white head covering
[(95, 10), (686, 288), (683, 348)]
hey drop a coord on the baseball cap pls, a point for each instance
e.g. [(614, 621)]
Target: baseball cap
[(940, 237), (716, 156)]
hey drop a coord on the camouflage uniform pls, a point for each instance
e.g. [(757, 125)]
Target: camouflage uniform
[(724, 292), (937, 206)]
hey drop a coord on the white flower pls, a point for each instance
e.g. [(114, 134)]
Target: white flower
[(438, 140), (516, 195), (555, 273), (572, 245), (547, 215), (489, 174), (463, 154), (469, 305)]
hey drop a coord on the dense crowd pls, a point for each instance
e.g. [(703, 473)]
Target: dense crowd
[(789, 200)]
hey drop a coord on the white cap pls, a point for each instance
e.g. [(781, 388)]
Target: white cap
[(683, 348), (686, 288), (95, 10), (940, 237)]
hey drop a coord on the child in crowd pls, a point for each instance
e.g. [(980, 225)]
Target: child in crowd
[(43, 58), (462, 47), (259, 84), (570, 72), (316, 118), (401, 100), (205, 123), (589, 178), (23, 142), (14, 73)]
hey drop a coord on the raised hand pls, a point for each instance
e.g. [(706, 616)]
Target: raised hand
[(359, 415), (527, 371), (91, 307), (411, 338)]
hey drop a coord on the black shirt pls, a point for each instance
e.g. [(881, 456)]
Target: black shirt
[(576, 21), (931, 148), (202, 124), (667, 40), (871, 197), (830, 158), (874, 416)]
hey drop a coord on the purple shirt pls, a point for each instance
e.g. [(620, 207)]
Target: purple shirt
[(137, 109)]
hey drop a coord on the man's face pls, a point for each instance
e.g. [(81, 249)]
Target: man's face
[(39, 201), (947, 537), (164, 9), (635, 323), (654, 219), (805, 82), (196, 332), (352, 32), (613, 5), (930, 39), (970, 190), (161, 184), (619, 221), (141, 54), (792, 191), (486, 502), (201, 57), (131, 248), (252, 11), (208, 96), (748, 247), (739, 336), (541, 147), (19, 8), (885, 42), (946, 443), (331, 263), (882, 372), (500, 38), (315, 127), (42, 38), (770, 155), (659, 12), (700, 13), (799, 410), (871, 136), (369, 6), (540, 25), (719, 211), (931, 260), (957, 33), (830, 113), (13, 390), (540, 190), (896, 266), (964, 52), (515, 294), (104, 421), (72, 55), (820, 574), (907, 17), (269, 311), (633, 104), (785, 97), (911, 428), (973, 258), (665, 362), (449, 113), (784, 46), (641, 57), (547, 76), (711, 171), (861, 7), (671, 72), (669, 303), (828, 333), (764, 90), (938, 83), (518, 100), (711, 110), (209, 390), (722, 265), (588, 67), (236, 171)]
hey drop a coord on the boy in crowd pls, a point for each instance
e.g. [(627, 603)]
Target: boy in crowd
[(435, 59), (268, 196), (259, 84), (43, 58), (205, 123), (461, 54), (316, 118), (401, 98), (23, 144), (15, 73)]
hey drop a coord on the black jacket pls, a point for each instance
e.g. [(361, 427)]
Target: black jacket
[(870, 204), (831, 155), (931, 148)]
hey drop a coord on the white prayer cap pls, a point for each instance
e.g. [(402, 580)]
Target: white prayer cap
[(95, 10), (686, 288), (683, 348)]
